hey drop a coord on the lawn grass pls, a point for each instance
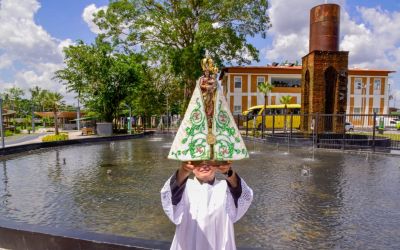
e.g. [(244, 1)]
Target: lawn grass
[(394, 137)]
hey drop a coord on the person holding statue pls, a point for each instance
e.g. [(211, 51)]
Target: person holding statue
[(204, 208)]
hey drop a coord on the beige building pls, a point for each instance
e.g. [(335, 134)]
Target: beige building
[(367, 90)]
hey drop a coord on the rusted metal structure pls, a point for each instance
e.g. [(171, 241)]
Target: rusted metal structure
[(325, 27), (324, 72)]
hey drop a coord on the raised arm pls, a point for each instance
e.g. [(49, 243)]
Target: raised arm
[(239, 194), (172, 192)]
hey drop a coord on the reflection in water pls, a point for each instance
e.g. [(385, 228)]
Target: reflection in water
[(6, 193), (341, 201)]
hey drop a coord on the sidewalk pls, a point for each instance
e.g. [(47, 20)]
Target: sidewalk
[(23, 139)]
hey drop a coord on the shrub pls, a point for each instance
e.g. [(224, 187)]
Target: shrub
[(60, 137), (8, 133)]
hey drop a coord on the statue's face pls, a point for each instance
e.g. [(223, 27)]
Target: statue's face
[(207, 73)]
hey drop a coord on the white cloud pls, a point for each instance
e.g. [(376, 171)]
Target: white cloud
[(87, 16), (5, 61), (22, 39), (28, 52), (372, 37), (290, 29), (374, 43)]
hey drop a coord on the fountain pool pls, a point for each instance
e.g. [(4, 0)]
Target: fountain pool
[(345, 201)]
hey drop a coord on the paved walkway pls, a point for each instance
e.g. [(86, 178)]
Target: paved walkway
[(22, 139)]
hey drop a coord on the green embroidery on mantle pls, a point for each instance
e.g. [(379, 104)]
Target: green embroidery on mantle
[(195, 136), (228, 140)]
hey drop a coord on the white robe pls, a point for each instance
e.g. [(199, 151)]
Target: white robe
[(205, 215)]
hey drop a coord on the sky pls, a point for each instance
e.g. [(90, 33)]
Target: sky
[(34, 32)]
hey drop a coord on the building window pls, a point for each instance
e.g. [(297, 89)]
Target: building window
[(260, 80), (238, 82), (285, 82), (237, 109), (376, 110), (357, 110), (377, 84), (357, 85)]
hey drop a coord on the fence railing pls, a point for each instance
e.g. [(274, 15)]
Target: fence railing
[(140, 123), (345, 131)]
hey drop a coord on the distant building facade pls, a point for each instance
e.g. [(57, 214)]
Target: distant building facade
[(367, 89)]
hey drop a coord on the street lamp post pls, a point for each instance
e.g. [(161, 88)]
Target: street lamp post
[(1, 122)]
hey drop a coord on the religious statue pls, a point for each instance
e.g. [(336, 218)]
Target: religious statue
[(208, 130), (208, 86)]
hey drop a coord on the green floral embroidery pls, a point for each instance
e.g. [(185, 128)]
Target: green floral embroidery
[(226, 136), (195, 137)]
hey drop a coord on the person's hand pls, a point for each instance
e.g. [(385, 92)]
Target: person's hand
[(184, 171), (233, 180), (224, 168), (187, 167)]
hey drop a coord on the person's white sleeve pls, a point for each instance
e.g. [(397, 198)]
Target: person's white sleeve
[(244, 201), (174, 212)]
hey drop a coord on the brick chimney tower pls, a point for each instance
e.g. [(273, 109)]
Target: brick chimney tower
[(324, 72)]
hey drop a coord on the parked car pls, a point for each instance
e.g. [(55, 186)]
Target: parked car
[(384, 121), (349, 127)]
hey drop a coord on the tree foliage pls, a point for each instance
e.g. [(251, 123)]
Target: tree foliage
[(285, 100), (12, 99), (53, 101), (265, 88), (102, 78), (177, 33)]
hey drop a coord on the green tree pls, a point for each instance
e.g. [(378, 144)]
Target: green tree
[(35, 103), (13, 97), (103, 77), (53, 101), (158, 88), (265, 88), (73, 76), (285, 100), (177, 33), (35, 95)]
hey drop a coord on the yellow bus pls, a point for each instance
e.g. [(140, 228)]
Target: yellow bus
[(255, 114)]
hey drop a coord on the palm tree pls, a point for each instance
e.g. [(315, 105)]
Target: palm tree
[(35, 94), (285, 100), (53, 100), (264, 88), (42, 99)]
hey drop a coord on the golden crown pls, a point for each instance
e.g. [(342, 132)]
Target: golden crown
[(208, 64)]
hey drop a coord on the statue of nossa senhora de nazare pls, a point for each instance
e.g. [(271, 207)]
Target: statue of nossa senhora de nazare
[(208, 140)]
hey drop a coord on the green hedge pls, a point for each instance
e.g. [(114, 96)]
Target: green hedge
[(8, 133), (59, 137)]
